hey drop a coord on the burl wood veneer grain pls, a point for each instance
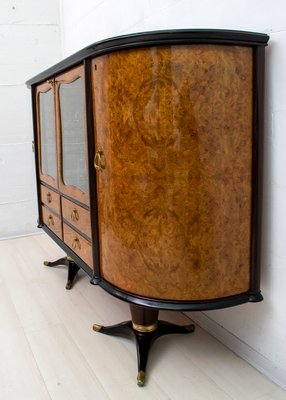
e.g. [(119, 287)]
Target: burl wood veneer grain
[(78, 244), (76, 216), (174, 200), (50, 199), (52, 221)]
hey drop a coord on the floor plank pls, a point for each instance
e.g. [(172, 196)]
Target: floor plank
[(65, 371), (49, 350), (20, 377)]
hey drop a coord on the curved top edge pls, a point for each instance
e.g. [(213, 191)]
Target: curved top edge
[(155, 38)]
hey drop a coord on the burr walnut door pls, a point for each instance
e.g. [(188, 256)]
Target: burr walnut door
[(72, 139), (173, 134), (46, 132)]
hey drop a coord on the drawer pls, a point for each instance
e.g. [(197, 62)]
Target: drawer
[(53, 222), (76, 216), (78, 244), (50, 199)]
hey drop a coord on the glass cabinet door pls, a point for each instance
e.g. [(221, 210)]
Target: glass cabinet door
[(71, 120), (46, 134)]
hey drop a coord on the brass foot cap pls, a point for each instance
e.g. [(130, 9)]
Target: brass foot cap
[(141, 378), (68, 285), (97, 328), (190, 328), (46, 263)]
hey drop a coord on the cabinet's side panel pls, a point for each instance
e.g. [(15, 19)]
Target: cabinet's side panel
[(174, 199)]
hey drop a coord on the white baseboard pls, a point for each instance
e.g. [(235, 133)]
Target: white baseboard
[(242, 349), (24, 235)]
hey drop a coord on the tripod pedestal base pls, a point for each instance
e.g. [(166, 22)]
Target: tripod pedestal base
[(144, 335)]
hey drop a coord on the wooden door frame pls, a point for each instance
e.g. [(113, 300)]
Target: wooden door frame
[(44, 88), (69, 77)]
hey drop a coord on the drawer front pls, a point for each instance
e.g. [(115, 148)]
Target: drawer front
[(78, 244), (52, 221), (50, 199), (76, 216)]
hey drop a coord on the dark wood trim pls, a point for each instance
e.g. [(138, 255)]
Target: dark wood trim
[(173, 305), (35, 130), (155, 38), (51, 210), (74, 228), (257, 165), (92, 175)]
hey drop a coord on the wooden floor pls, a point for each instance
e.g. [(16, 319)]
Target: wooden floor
[(49, 351)]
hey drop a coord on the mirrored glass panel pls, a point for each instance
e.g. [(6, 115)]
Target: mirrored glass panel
[(47, 131), (74, 149)]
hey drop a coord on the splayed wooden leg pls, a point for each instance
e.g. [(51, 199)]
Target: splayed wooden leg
[(72, 268)]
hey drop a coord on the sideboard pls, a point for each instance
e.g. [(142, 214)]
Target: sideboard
[(148, 152)]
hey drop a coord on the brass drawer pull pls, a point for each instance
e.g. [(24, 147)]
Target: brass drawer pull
[(74, 215), (51, 220), (49, 197), (76, 243), (99, 160)]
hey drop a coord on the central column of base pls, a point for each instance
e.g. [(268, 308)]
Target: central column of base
[(144, 319)]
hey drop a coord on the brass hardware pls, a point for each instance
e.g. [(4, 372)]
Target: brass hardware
[(46, 263), (141, 378), (97, 328), (33, 146), (190, 328), (76, 243), (49, 197), (99, 160), (51, 220), (50, 81), (144, 328), (69, 285), (74, 215), (69, 258)]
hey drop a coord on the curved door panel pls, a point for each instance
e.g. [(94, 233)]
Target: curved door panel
[(174, 125)]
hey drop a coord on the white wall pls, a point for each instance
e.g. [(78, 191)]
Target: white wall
[(256, 331), (29, 42)]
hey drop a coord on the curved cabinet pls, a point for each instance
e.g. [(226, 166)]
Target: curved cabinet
[(159, 145)]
